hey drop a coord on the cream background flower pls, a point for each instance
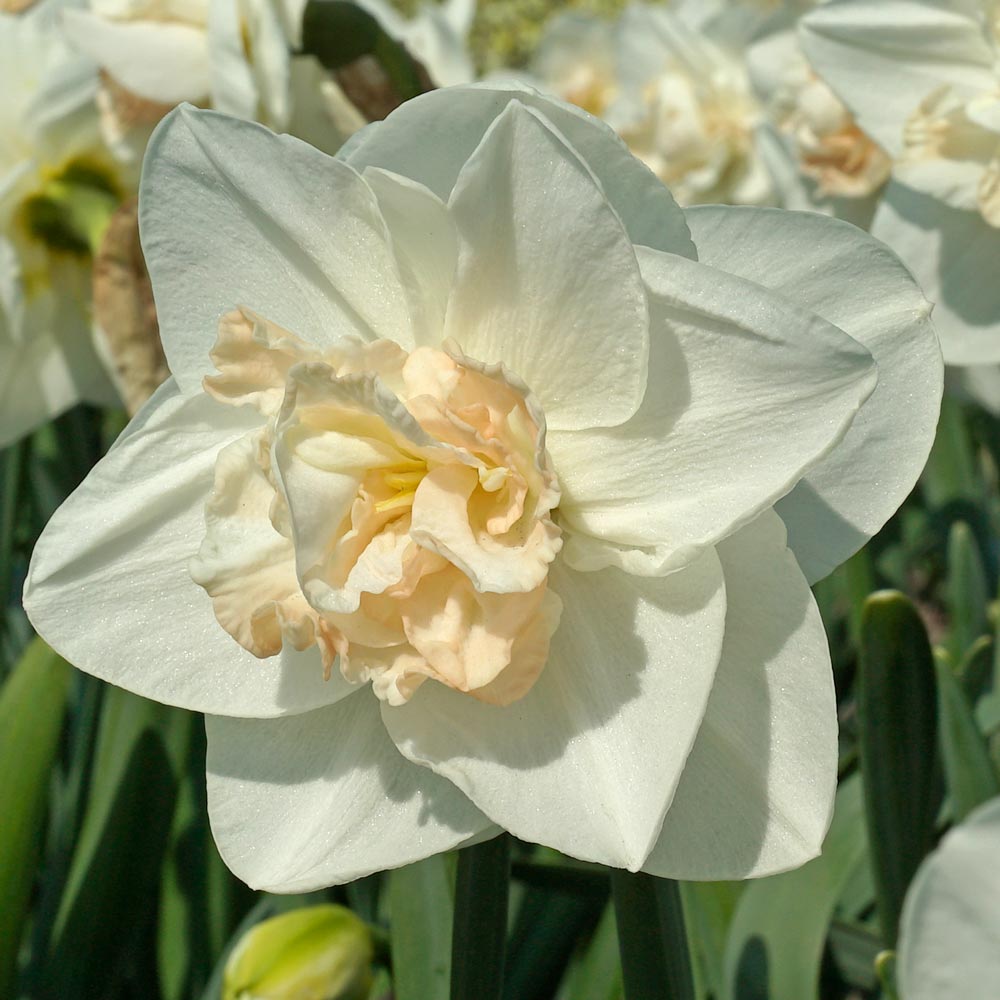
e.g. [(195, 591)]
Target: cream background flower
[(693, 372), (950, 925), (48, 129), (920, 77), (233, 55)]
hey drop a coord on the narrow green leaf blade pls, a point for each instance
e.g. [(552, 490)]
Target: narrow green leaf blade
[(968, 594), (779, 929), (969, 772), (652, 939), (32, 705), (422, 902), (897, 714), (112, 891), (479, 932), (598, 974)]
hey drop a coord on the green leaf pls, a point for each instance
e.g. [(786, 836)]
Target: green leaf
[(950, 473), (967, 591), (561, 903), (104, 924), (708, 910), (598, 974), (779, 929), (652, 939), (897, 721), (422, 901), (32, 705), (479, 934), (969, 772)]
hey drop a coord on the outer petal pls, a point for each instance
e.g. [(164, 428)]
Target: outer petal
[(233, 215), (588, 760), (110, 572), (757, 790), (883, 57), (452, 123), (853, 282), (547, 279), (324, 798), (163, 62), (951, 253), (746, 392), (949, 935)]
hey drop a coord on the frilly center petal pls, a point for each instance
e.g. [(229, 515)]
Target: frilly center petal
[(395, 509)]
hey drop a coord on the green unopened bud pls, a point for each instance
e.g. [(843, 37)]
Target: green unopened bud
[(316, 953)]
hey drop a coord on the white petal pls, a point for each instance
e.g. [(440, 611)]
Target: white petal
[(757, 790), (951, 253), (233, 215), (425, 244), (949, 934), (588, 760), (109, 586), (161, 62), (746, 392), (883, 58), (450, 124), (850, 280), (47, 360), (324, 798), (547, 279)]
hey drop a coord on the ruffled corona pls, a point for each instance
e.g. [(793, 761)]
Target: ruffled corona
[(395, 510)]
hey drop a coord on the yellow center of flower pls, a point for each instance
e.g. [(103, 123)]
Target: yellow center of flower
[(394, 509)]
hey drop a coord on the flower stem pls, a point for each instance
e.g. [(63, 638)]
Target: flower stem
[(479, 937), (656, 963)]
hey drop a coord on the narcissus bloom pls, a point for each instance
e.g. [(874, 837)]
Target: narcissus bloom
[(950, 924), (57, 189), (920, 77), (491, 424)]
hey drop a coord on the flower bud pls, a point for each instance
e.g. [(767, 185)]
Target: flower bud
[(315, 953)]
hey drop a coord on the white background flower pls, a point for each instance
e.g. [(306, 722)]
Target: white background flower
[(690, 379), (48, 125), (920, 77), (949, 934)]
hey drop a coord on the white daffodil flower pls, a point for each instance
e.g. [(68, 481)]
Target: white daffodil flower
[(949, 934), (920, 77), (576, 59), (437, 35), (831, 158), (57, 187), (490, 423), (674, 85), (232, 55)]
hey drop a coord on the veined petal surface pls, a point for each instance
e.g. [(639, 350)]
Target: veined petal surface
[(757, 790), (451, 124), (234, 215), (588, 760), (740, 402), (324, 797), (109, 586), (855, 283), (566, 312)]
